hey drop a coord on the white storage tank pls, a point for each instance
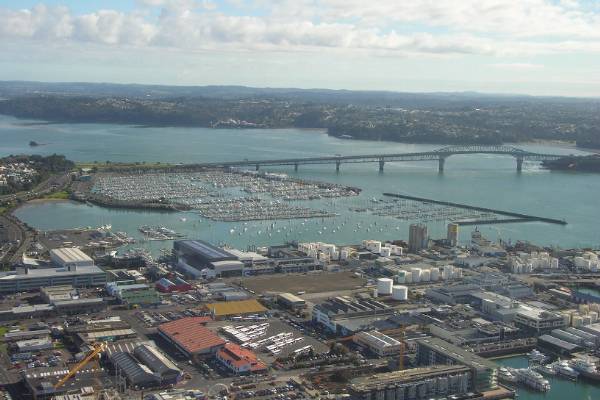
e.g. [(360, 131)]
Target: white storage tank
[(399, 293), (425, 275), (416, 274), (408, 278), (384, 286), (385, 252), (401, 277), (576, 321), (435, 274)]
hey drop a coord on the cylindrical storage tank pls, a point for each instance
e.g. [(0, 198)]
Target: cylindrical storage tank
[(375, 293), (584, 309), (399, 293), (385, 252), (401, 277), (576, 321), (408, 278), (586, 320), (384, 286), (416, 274), (566, 319), (435, 274), (425, 275), (594, 316)]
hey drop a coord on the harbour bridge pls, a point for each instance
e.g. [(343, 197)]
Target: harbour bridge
[(439, 155)]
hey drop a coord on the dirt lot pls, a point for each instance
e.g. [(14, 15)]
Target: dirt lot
[(310, 283)]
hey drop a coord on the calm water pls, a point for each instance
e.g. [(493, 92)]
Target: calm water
[(484, 180), (560, 388)]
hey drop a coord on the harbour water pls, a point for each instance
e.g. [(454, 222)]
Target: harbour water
[(560, 388), (483, 180)]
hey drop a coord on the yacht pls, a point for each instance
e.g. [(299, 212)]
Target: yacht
[(505, 375), (537, 357), (562, 368), (532, 379), (585, 367)]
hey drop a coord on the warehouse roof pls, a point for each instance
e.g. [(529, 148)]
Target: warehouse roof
[(154, 359), (238, 357), (70, 255), (563, 344), (207, 250), (190, 334), (236, 307)]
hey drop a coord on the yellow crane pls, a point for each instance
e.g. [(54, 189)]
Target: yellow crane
[(98, 348)]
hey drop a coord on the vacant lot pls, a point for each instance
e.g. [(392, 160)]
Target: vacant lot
[(310, 283)]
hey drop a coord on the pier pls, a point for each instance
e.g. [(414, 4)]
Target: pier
[(515, 217), (439, 155)]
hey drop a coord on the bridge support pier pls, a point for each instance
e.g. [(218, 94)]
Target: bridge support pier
[(519, 164), (442, 161), (337, 165), (381, 164), (257, 167), (296, 167)]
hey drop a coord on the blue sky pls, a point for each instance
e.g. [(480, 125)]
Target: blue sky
[(542, 47)]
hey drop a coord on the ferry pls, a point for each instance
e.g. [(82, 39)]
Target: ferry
[(532, 379)]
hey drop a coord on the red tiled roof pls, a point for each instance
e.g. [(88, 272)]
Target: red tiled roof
[(191, 334), (238, 356)]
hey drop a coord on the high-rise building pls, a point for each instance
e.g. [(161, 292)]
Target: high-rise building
[(417, 237), (452, 234)]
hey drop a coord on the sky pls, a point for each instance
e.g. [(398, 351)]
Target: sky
[(539, 47)]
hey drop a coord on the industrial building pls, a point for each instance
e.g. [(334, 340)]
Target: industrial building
[(239, 360), (137, 374), (176, 284), (25, 279), (191, 337), (537, 320), (130, 293), (226, 309), (70, 257), (291, 301), (417, 383), (198, 258), (342, 308), (378, 343), (434, 351)]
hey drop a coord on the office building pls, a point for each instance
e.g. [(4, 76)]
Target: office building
[(417, 238), (452, 236), (239, 360), (431, 382)]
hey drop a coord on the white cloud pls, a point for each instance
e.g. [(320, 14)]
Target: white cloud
[(427, 27), (518, 66)]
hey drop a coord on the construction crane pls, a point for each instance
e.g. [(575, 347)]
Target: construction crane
[(98, 348)]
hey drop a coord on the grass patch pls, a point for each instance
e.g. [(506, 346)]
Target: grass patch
[(3, 209), (62, 195)]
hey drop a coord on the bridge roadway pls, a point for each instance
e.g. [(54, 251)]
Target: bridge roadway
[(439, 155)]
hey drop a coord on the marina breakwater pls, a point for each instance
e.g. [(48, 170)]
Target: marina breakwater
[(514, 217)]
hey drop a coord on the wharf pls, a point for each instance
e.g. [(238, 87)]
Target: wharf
[(515, 217)]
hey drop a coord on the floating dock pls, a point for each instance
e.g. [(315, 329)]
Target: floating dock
[(514, 217)]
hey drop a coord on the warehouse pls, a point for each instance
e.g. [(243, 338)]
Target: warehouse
[(197, 258), (226, 309), (160, 365), (291, 301), (191, 337), (176, 284), (344, 308), (25, 279), (138, 375), (378, 343), (70, 257)]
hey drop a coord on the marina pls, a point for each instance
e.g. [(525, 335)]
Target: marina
[(219, 195)]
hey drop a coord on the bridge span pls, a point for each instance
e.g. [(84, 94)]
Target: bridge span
[(439, 155)]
